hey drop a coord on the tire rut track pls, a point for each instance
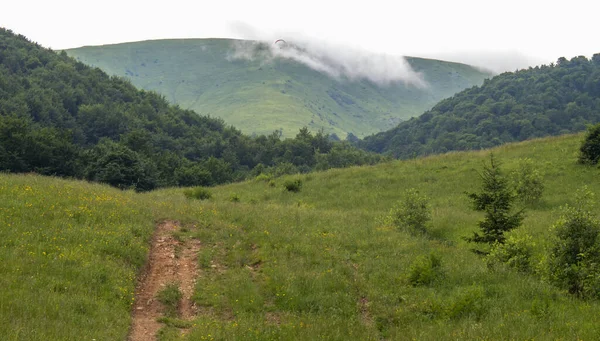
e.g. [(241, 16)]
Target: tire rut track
[(164, 267)]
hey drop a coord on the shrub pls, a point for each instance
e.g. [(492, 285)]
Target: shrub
[(234, 197), (516, 253), (170, 296), (293, 185), (412, 213), (470, 302), (425, 270), (574, 260), (589, 152), (528, 182), (263, 177), (541, 307), (199, 193)]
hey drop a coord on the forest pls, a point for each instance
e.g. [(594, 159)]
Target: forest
[(539, 101), (61, 117)]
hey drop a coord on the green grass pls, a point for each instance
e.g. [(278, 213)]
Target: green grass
[(317, 265), (170, 296), (259, 97), (279, 265), (70, 252)]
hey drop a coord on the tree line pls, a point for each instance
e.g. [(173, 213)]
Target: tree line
[(545, 100)]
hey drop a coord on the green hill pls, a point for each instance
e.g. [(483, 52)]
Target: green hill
[(61, 117), (514, 106), (278, 265), (260, 97)]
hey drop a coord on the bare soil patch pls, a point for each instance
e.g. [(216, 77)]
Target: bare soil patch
[(165, 265)]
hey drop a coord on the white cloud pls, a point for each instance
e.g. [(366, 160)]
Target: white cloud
[(338, 61), (537, 29)]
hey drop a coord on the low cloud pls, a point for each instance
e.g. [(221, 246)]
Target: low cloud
[(337, 61), (493, 61)]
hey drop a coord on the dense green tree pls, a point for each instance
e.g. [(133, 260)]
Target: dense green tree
[(13, 137), (192, 175), (344, 155), (25, 146), (119, 166), (589, 152)]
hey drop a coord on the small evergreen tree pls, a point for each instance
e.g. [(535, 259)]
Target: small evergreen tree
[(496, 200)]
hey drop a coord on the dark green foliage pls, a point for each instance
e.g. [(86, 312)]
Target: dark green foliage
[(425, 270), (412, 213), (119, 166), (513, 106), (589, 153), (293, 185), (283, 168), (60, 117), (342, 155), (199, 193), (574, 262), (496, 200), (28, 147), (192, 175)]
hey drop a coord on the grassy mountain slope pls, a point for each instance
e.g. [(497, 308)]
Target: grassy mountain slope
[(61, 117), (317, 264), (514, 106), (260, 97)]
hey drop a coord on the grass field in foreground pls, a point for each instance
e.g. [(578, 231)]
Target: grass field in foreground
[(277, 265)]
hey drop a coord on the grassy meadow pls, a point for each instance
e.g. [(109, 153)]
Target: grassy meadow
[(276, 265)]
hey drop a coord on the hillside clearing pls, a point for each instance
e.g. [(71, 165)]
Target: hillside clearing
[(277, 265)]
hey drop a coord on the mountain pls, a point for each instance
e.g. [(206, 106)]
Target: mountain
[(61, 117), (514, 106), (260, 95), (318, 264)]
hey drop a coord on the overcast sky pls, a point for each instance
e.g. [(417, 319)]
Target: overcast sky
[(502, 34)]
